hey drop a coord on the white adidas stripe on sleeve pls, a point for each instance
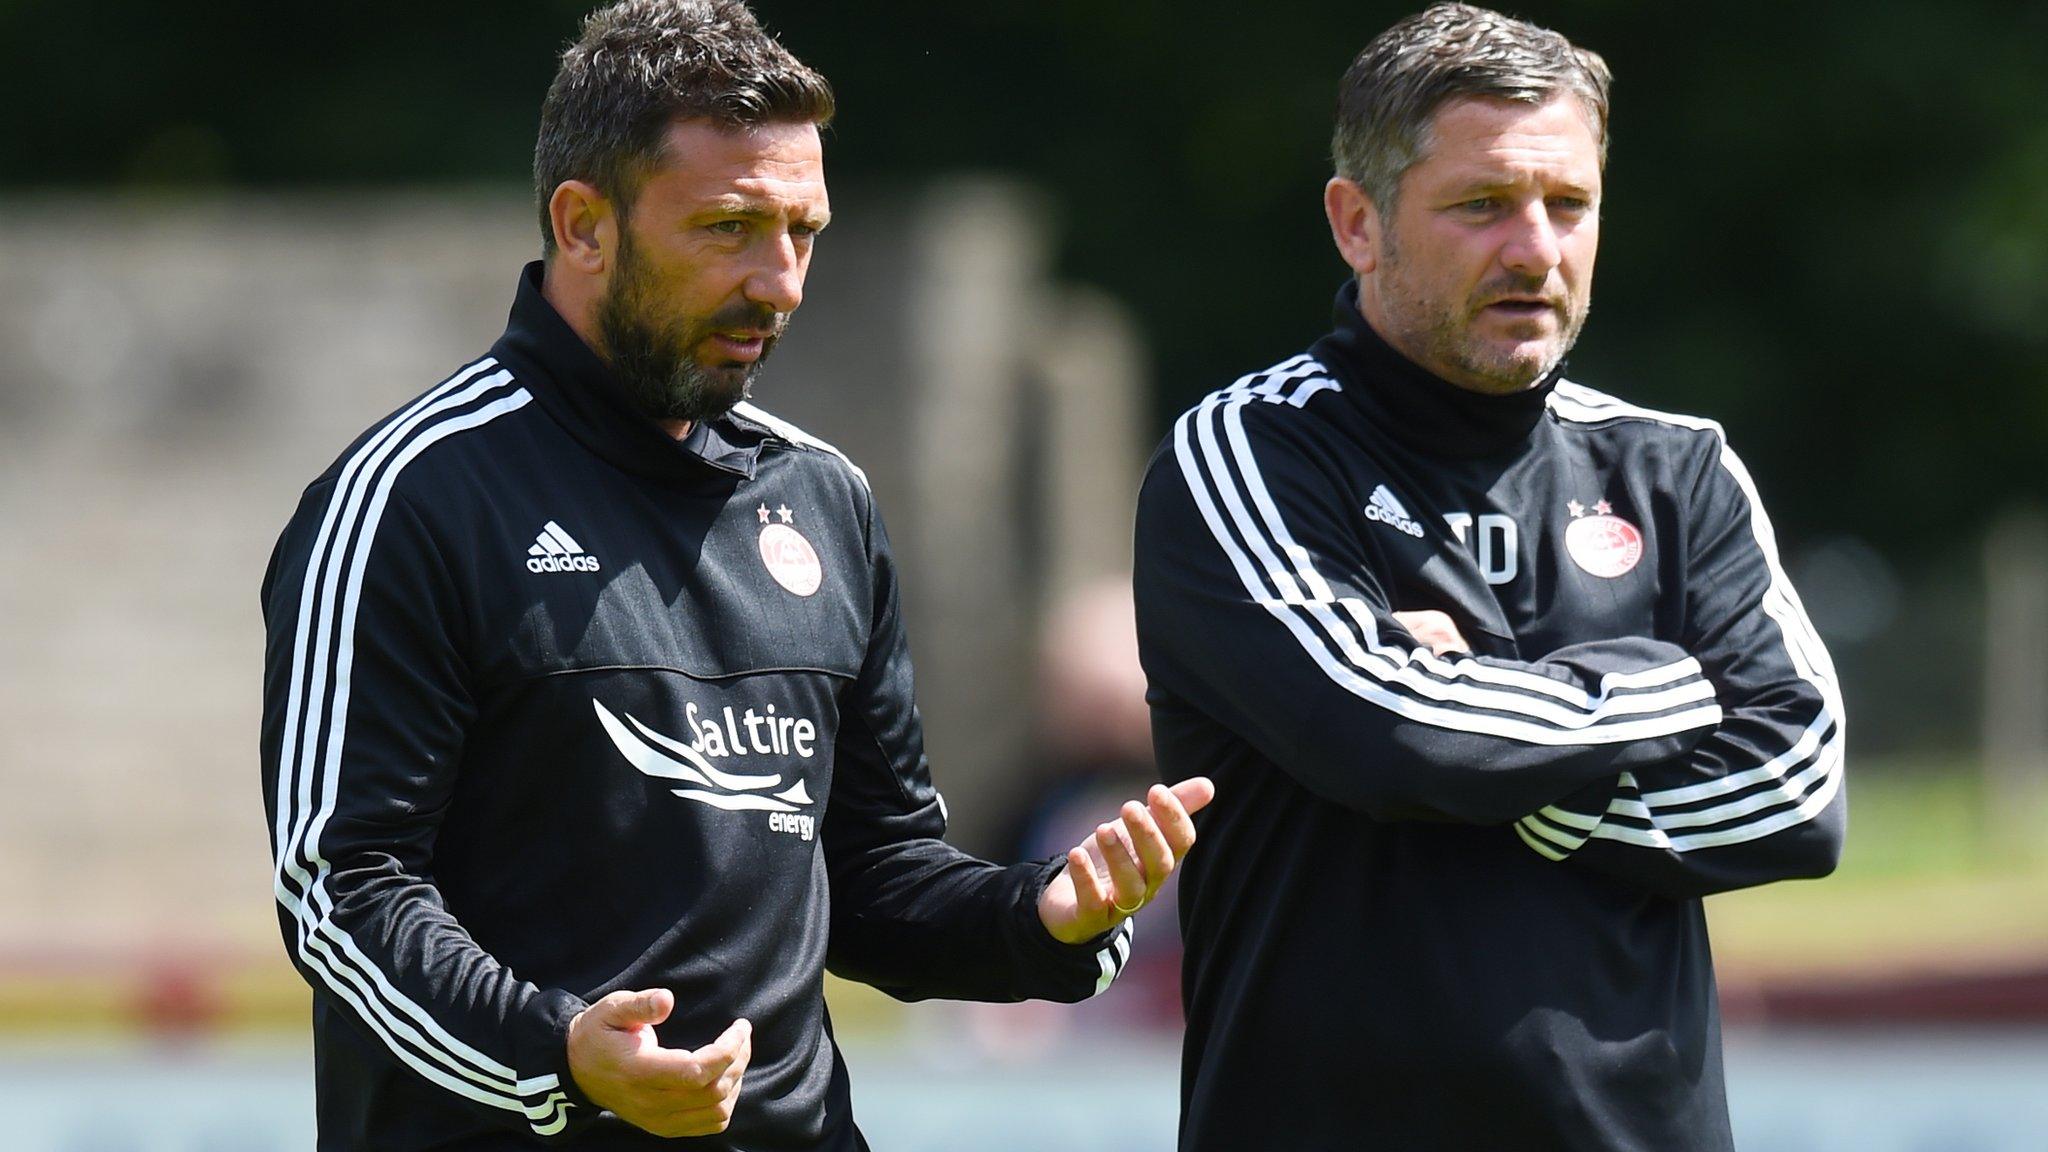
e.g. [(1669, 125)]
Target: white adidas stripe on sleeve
[(1785, 790), (326, 628), (1340, 634), (1115, 953)]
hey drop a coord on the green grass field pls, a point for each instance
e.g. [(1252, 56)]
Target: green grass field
[(1927, 883), (1924, 887)]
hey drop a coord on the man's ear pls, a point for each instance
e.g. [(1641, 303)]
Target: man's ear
[(586, 227), (1354, 224)]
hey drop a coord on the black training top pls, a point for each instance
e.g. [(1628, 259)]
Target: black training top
[(1454, 903), (556, 706)]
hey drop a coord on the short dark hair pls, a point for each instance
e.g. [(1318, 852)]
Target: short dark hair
[(1395, 86), (640, 65)]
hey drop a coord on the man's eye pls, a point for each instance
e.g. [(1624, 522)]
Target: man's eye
[(729, 227), (1571, 203), (1483, 204)]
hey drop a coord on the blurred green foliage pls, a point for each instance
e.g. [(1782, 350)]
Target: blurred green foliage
[(1824, 220)]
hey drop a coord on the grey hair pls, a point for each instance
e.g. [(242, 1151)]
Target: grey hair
[(639, 65), (1392, 91)]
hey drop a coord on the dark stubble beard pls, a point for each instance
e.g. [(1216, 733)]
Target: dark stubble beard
[(1436, 332), (648, 347)]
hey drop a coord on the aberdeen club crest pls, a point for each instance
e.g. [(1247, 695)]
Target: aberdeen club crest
[(788, 556), (1602, 543)]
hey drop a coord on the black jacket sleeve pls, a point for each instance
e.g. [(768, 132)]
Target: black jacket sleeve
[(1260, 605), (1762, 798), (364, 710), (911, 914)]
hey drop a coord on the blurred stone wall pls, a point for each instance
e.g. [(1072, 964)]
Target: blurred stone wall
[(172, 373)]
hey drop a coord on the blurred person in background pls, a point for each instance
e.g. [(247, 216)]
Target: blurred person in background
[(1093, 747), (1501, 673), (588, 736)]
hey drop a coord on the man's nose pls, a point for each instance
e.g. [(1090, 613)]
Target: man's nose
[(778, 280), (1531, 247)]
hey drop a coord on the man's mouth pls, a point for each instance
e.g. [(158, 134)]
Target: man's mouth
[(742, 344), (1522, 306)]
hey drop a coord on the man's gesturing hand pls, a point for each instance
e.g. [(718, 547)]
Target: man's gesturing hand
[(1116, 871), (621, 1066)]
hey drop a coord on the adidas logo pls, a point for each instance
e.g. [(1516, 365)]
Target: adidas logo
[(556, 551), (1384, 508)]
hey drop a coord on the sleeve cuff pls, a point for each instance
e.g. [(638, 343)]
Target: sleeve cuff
[(1081, 970), (562, 1109), (1555, 831)]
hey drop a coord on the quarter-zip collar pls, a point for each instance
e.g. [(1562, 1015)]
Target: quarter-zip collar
[(587, 399), (1416, 406)]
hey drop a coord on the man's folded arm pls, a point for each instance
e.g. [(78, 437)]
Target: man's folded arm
[(1260, 606), (1762, 797), (363, 714)]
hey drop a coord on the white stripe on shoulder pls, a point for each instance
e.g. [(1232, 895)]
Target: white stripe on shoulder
[(349, 526), (1819, 747), (317, 559), (1292, 368), (1462, 695), (1582, 405), (795, 435)]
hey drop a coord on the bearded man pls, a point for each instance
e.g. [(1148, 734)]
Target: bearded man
[(1501, 673), (588, 734)]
